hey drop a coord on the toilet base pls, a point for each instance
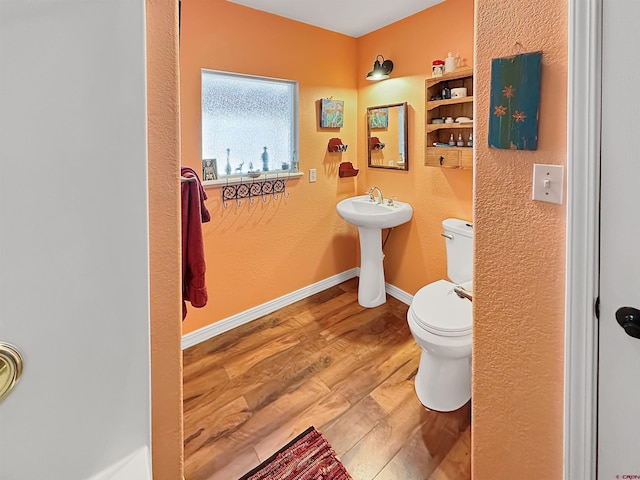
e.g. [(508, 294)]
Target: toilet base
[(443, 384)]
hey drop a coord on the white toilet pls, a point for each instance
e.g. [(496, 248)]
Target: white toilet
[(440, 321)]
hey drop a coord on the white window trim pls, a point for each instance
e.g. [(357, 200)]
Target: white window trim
[(233, 179)]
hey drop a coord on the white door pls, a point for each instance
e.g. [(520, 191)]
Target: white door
[(73, 235), (619, 353)]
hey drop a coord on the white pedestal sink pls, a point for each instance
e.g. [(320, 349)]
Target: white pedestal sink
[(371, 218)]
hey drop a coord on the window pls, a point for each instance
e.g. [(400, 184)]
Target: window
[(249, 123)]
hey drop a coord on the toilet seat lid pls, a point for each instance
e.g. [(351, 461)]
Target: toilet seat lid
[(439, 310)]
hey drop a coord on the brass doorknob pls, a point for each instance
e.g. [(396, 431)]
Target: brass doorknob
[(10, 368)]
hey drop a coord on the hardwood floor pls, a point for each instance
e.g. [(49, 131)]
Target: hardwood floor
[(323, 361)]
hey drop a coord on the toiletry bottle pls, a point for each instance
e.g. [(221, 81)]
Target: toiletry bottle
[(452, 142), (460, 142), (446, 91), (449, 63), (470, 141)]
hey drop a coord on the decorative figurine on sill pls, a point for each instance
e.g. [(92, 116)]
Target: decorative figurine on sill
[(208, 169), (239, 168), (265, 160), (227, 168)]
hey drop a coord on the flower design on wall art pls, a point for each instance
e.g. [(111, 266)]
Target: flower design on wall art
[(379, 118), (515, 101), (331, 113)]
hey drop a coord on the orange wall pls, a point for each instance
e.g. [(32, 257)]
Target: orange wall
[(164, 238), (239, 241), (415, 253), (518, 350), (256, 253)]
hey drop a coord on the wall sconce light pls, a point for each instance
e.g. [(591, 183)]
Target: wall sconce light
[(381, 70)]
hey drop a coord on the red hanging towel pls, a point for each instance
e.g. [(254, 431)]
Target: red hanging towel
[(194, 214)]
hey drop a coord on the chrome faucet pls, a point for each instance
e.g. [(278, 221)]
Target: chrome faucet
[(373, 198)]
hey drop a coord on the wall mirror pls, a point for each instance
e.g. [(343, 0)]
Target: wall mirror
[(387, 137)]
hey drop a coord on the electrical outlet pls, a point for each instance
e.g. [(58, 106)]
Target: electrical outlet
[(312, 175), (548, 181)]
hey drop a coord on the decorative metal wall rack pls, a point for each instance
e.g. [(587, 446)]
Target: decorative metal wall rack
[(252, 188)]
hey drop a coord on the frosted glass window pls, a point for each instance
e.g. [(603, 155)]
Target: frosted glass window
[(248, 123)]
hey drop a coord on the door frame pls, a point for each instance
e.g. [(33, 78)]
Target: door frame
[(582, 249)]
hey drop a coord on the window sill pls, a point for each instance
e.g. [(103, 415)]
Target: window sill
[(236, 180)]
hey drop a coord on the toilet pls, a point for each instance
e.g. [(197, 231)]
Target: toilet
[(440, 322)]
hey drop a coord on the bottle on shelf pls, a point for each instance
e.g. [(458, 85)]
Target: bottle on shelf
[(446, 91), (449, 63), (460, 142), (470, 141), (452, 142)]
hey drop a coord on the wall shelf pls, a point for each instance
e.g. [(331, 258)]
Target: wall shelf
[(431, 104), (448, 157), (448, 126)]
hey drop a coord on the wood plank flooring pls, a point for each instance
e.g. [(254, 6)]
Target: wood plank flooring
[(323, 361)]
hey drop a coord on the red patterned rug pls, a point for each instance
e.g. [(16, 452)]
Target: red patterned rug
[(307, 457)]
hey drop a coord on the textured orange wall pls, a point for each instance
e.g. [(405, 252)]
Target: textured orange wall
[(164, 238), (518, 350), (415, 253), (256, 253)]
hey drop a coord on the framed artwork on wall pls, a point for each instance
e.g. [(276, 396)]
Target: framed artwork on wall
[(331, 113), (515, 102)]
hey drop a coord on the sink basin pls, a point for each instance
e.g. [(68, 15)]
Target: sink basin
[(371, 218), (362, 212)]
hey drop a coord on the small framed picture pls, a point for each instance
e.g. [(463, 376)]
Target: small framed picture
[(379, 118), (331, 113), (209, 169)]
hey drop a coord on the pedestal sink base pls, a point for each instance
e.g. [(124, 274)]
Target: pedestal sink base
[(371, 289), (371, 217)]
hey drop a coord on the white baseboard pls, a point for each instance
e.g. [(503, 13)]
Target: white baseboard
[(401, 295), (224, 325), (229, 323)]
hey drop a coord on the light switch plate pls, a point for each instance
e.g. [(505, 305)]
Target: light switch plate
[(548, 181), (312, 175)]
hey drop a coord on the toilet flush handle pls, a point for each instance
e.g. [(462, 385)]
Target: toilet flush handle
[(446, 235), (462, 293)]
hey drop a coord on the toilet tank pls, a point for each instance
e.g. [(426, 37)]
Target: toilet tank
[(459, 240)]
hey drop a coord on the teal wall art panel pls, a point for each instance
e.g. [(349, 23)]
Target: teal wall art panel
[(515, 101)]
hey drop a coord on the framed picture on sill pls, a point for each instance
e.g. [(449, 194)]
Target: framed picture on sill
[(331, 113), (209, 169)]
